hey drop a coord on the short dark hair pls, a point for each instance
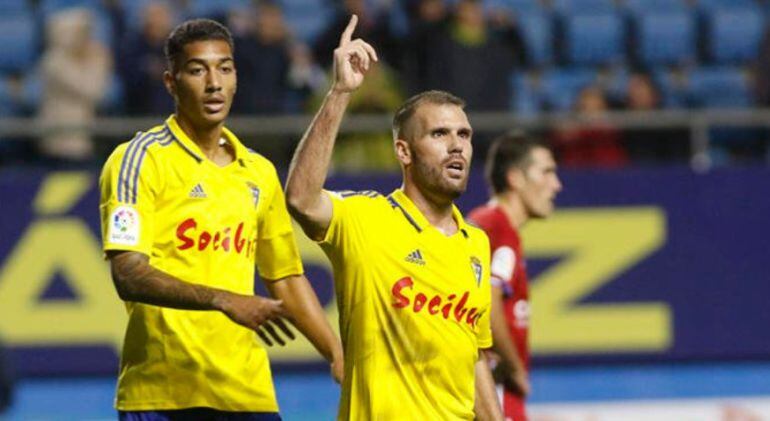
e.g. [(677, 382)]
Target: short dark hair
[(191, 31), (512, 149), (407, 109)]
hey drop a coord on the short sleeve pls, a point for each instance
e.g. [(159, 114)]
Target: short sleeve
[(127, 199), (277, 252), (347, 234), (503, 265)]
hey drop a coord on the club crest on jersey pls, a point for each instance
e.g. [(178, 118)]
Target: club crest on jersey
[(477, 269), (254, 192)]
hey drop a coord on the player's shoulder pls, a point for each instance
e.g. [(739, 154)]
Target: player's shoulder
[(366, 204), (366, 196), (144, 142)]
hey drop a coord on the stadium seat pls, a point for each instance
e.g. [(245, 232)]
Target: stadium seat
[(726, 4), (559, 87), (643, 6), (18, 38), (565, 7), (306, 18), (537, 31), (215, 9), (664, 37), (516, 6), (719, 87), (734, 34), (113, 96), (596, 38), (47, 7), (15, 7), (672, 85), (525, 101)]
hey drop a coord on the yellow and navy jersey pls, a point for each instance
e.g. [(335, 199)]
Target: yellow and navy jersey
[(207, 225), (414, 308)]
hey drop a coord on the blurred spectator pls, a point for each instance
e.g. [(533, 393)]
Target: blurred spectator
[(467, 56), (75, 71), (651, 145), (428, 21), (593, 141), (141, 63), (275, 75), (373, 26)]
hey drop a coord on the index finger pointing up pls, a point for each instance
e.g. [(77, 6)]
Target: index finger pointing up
[(347, 34)]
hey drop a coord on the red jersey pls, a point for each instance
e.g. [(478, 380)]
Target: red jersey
[(508, 272)]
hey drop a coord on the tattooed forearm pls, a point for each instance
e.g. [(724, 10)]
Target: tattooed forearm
[(136, 280)]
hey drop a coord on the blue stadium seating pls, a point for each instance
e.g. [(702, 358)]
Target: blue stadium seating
[(726, 4), (306, 18), (208, 8), (719, 87), (14, 7), (672, 85), (525, 100), (18, 35), (734, 34), (566, 7), (537, 31), (46, 7), (644, 6), (595, 38), (665, 37), (516, 6), (559, 87)]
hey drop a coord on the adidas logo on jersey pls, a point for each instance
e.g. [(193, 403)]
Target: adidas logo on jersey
[(415, 257), (197, 192)]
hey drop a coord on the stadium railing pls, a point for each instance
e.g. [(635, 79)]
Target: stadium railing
[(699, 123)]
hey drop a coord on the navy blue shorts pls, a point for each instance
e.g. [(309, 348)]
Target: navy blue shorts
[(197, 414)]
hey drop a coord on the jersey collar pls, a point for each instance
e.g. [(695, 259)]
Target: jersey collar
[(399, 199), (241, 152)]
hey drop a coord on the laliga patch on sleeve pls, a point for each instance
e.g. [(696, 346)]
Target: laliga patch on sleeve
[(503, 263), (124, 226)]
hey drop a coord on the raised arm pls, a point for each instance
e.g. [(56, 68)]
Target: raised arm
[(136, 280), (304, 186)]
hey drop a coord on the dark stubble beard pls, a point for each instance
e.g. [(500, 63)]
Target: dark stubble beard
[(432, 183)]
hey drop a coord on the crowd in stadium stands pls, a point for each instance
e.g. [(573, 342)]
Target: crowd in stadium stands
[(526, 56)]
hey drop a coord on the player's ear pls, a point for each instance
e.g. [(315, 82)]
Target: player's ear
[(403, 152), (170, 83), (515, 178)]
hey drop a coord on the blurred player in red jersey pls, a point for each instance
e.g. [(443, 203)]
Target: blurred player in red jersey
[(521, 173)]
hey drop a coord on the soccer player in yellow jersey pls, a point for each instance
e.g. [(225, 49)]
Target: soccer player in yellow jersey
[(411, 277), (187, 211)]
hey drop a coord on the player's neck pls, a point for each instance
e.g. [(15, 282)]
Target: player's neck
[(437, 211), (206, 137), (512, 207)]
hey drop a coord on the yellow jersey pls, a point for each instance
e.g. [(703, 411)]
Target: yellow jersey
[(414, 308), (207, 225)]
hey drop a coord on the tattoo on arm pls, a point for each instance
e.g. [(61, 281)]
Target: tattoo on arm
[(136, 280)]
